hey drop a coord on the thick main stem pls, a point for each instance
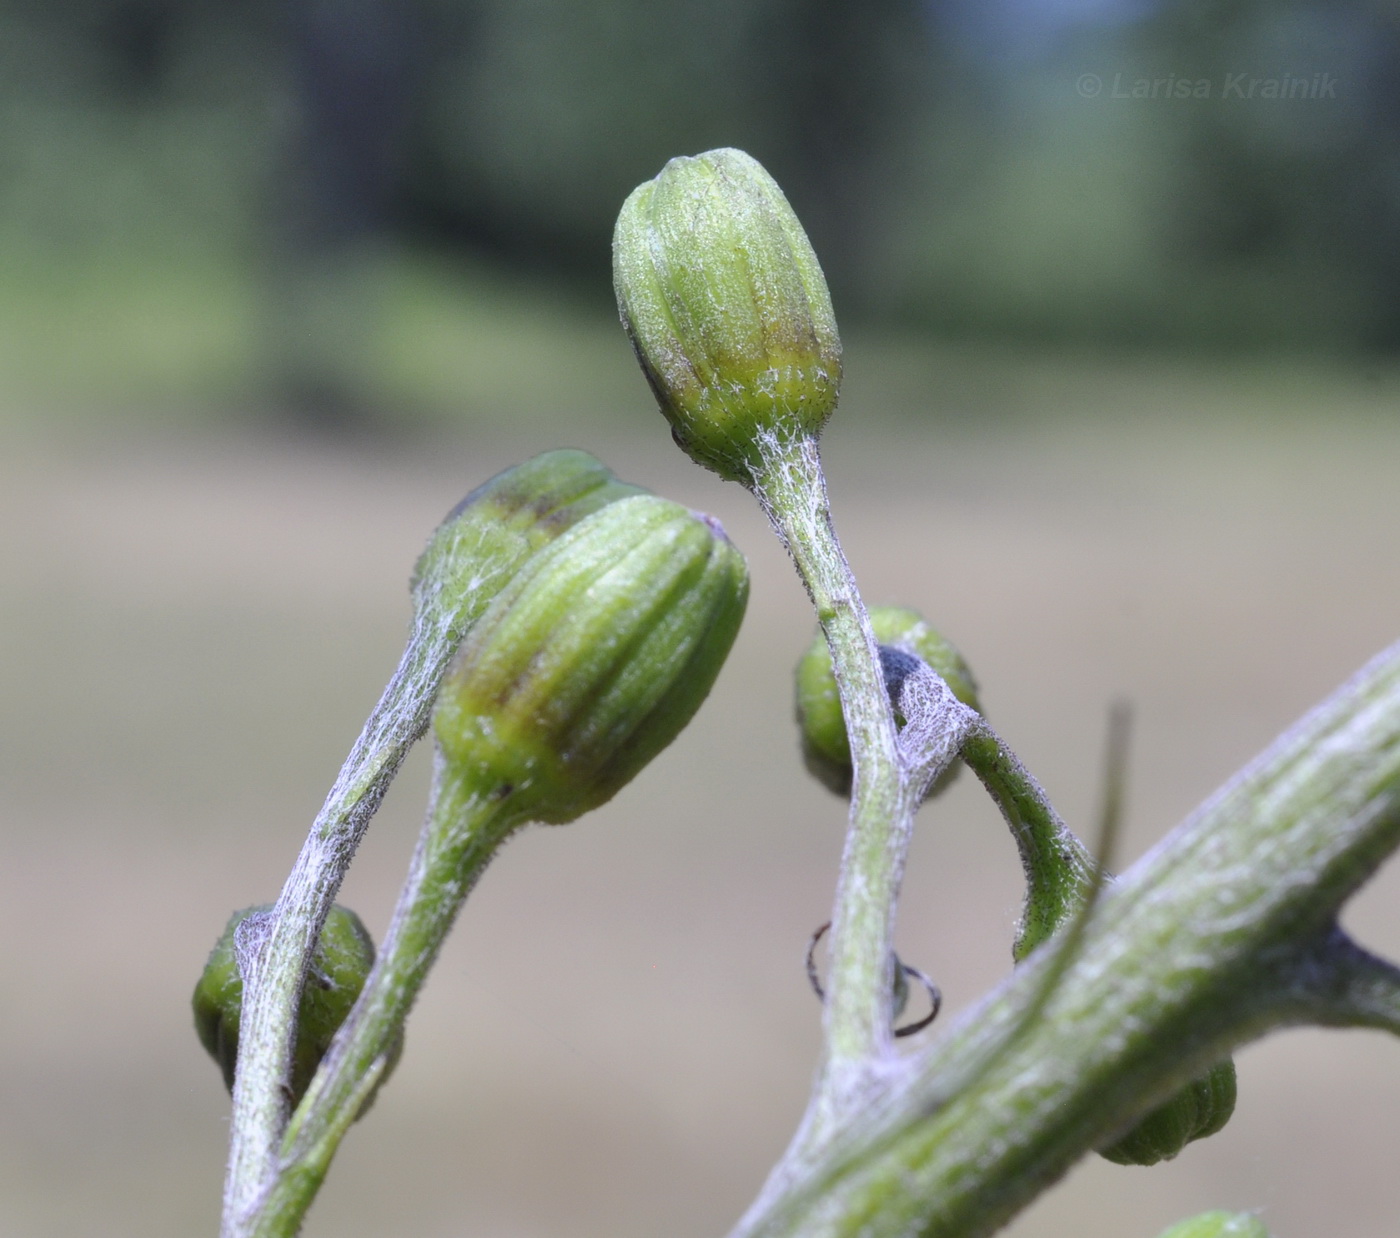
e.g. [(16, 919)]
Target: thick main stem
[(275, 970), (1224, 930), (462, 833), (792, 491)]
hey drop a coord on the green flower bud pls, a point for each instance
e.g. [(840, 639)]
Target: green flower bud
[(1201, 1108), (342, 959), (592, 659), (1219, 1225), (500, 524), (825, 748), (727, 308)]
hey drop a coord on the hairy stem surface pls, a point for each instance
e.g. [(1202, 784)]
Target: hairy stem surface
[(462, 833), (274, 970), (1059, 869), (859, 1044), (1225, 930)]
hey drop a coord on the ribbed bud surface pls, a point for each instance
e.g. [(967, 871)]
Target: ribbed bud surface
[(1201, 1108), (727, 308), (593, 659), (490, 533)]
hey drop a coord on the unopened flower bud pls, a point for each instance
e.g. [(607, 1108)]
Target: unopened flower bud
[(592, 659), (1199, 1109), (825, 747), (490, 533), (340, 963), (1219, 1225), (727, 308)]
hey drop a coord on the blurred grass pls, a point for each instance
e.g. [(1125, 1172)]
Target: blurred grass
[(135, 336), (120, 334), (131, 338)]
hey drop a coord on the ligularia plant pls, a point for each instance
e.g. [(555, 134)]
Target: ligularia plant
[(566, 628)]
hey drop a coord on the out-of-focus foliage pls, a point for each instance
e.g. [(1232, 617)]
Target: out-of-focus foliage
[(236, 201)]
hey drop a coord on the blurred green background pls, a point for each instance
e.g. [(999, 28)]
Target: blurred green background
[(346, 210), (281, 282)]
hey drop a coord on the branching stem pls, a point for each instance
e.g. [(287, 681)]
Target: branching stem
[(1224, 931), (888, 783), (273, 974), (462, 833)]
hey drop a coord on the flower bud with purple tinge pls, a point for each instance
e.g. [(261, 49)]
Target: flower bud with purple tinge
[(727, 308), (592, 659), (482, 542)]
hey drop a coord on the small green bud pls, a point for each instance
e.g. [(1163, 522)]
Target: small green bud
[(500, 524), (340, 963), (727, 308), (1219, 1225), (592, 659), (825, 748), (1201, 1108)]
